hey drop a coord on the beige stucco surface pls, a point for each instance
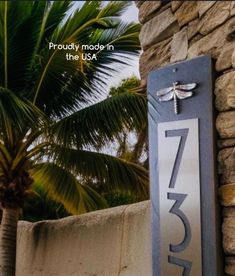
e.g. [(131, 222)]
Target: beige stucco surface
[(109, 242)]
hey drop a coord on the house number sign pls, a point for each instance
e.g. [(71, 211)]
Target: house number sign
[(185, 228)]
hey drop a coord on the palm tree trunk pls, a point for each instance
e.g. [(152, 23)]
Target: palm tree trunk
[(8, 233)]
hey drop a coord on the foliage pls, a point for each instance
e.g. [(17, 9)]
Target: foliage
[(38, 206), (117, 199), (50, 116), (132, 146), (125, 86)]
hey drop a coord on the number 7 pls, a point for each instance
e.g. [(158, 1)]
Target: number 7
[(183, 133)]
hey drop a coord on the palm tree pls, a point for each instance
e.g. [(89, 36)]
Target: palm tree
[(134, 151), (51, 125)]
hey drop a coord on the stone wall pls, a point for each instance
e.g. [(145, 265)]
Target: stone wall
[(173, 31), (111, 242)]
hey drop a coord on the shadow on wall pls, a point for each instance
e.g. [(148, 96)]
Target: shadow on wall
[(109, 242)]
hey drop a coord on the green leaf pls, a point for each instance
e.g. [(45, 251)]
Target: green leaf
[(68, 82), (62, 186), (16, 113), (101, 122), (114, 8), (114, 173), (45, 99)]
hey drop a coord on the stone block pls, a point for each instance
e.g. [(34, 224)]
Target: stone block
[(139, 3), (165, 6), (186, 12), (195, 39), (233, 58), (155, 57), (225, 92), (179, 46), (158, 29), (192, 28), (175, 5), (228, 229), (214, 17), (226, 162), (226, 143), (212, 43), (227, 194), (232, 8), (230, 266), (225, 124), (231, 32), (204, 6), (224, 60), (229, 212), (148, 9)]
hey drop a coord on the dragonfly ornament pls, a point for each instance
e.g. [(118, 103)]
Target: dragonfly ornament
[(175, 92)]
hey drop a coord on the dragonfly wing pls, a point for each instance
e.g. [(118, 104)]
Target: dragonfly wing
[(166, 97), (182, 94), (188, 86), (164, 91)]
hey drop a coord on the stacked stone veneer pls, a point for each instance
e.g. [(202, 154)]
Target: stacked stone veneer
[(173, 31)]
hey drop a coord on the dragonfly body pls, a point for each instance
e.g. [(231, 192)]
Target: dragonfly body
[(175, 92)]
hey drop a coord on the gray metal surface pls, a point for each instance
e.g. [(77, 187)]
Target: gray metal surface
[(185, 215), (179, 180)]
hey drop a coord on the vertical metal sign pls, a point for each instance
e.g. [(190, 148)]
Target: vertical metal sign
[(185, 229)]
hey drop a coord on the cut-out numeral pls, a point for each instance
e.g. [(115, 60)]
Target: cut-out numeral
[(183, 133), (183, 263), (179, 199)]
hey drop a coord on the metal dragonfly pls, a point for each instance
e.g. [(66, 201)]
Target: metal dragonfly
[(175, 92)]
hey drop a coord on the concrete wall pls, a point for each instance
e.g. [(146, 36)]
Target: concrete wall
[(110, 242)]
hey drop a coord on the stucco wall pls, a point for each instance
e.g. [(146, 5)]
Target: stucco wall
[(110, 242)]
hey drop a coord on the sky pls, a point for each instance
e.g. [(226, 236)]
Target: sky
[(131, 15)]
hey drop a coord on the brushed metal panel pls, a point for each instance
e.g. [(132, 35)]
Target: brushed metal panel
[(179, 198), (201, 105)]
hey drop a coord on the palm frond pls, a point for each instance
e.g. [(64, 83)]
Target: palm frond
[(72, 29), (4, 7), (35, 21), (114, 173), (114, 9), (74, 80), (101, 122), (62, 186), (46, 100), (55, 13), (82, 17), (5, 159), (12, 15), (16, 113), (125, 40)]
